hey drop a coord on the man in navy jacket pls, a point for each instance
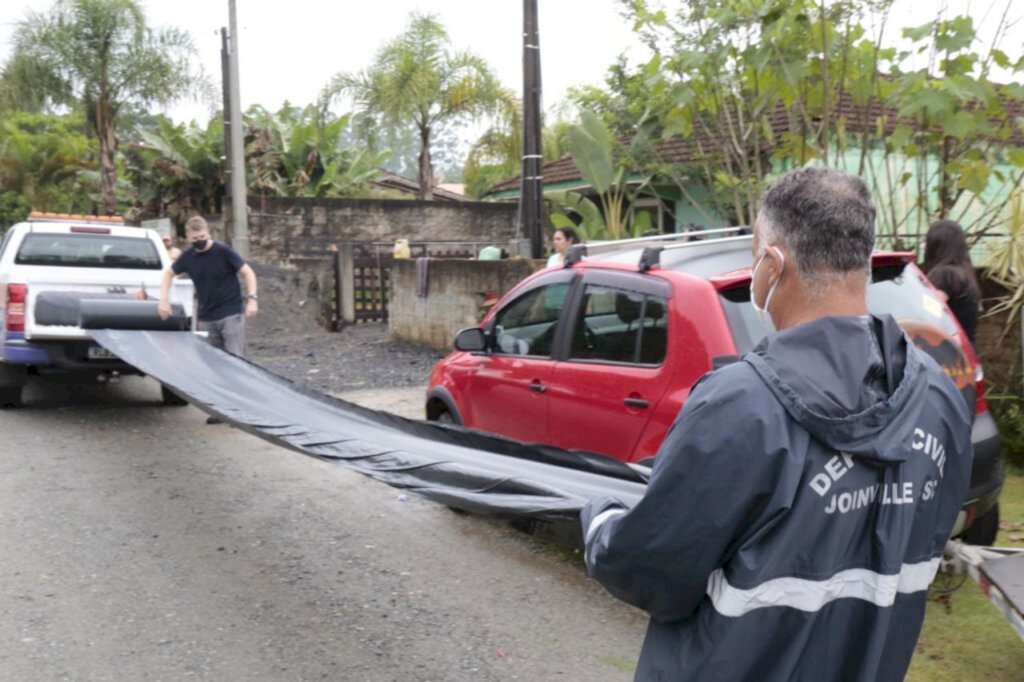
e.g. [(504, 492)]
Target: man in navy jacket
[(799, 506)]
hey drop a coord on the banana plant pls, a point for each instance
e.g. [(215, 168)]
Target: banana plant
[(301, 152), (607, 166)]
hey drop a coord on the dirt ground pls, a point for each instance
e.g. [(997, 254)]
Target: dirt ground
[(359, 363)]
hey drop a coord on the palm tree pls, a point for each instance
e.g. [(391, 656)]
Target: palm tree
[(417, 78), (96, 56)]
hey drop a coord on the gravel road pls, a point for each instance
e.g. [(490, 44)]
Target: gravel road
[(286, 339), (142, 544)]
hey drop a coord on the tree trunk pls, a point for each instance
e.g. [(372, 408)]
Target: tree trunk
[(426, 166), (108, 146)]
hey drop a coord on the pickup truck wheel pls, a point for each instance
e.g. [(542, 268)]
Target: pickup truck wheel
[(10, 397), (170, 398), (984, 529)]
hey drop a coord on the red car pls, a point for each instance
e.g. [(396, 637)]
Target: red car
[(601, 354)]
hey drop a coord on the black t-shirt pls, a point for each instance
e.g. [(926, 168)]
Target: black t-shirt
[(215, 274)]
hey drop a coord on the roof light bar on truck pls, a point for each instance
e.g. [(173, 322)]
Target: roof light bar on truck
[(40, 216)]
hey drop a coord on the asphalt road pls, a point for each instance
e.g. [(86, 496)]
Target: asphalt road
[(138, 543)]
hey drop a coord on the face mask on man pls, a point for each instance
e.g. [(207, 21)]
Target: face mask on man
[(762, 312), (200, 244)]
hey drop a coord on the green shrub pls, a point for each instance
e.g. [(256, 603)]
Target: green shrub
[(1008, 411)]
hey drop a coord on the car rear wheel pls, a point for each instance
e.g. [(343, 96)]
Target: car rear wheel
[(984, 529), (10, 397), (170, 398)]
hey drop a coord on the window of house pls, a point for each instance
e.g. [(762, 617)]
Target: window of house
[(655, 209)]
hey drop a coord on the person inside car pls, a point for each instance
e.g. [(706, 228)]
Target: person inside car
[(799, 506)]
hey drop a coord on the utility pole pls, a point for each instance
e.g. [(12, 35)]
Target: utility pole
[(239, 213), (225, 72), (531, 181)]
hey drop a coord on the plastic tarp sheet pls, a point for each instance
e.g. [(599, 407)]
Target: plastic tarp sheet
[(62, 308), (458, 467)]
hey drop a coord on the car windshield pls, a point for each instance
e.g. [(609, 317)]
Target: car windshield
[(899, 291), (88, 251)]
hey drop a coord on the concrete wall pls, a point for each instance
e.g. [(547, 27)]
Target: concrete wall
[(455, 295), (271, 219)]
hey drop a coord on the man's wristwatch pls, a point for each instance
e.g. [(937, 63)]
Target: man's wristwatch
[(253, 297)]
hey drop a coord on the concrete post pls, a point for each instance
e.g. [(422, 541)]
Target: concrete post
[(347, 282)]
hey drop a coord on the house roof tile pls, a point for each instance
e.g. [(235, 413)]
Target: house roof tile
[(857, 119)]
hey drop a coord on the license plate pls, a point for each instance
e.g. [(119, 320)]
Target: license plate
[(100, 353)]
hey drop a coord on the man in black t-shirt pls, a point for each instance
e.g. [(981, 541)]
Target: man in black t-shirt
[(214, 268)]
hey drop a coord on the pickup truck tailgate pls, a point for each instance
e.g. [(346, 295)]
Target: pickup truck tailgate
[(52, 307)]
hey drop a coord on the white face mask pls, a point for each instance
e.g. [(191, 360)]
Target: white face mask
[(762, 313)]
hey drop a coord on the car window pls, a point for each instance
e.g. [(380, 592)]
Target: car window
[(619, 326), (900, 292), (526, 326), (6, 240), (88, 251), (907, 296)]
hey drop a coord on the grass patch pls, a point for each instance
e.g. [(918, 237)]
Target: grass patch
[(971, 640), (1011, 509)]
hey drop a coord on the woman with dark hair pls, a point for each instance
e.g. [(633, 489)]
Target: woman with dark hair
[(563, 238), (947, 262)]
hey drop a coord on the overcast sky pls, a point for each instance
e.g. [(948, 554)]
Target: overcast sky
[(290, 49)]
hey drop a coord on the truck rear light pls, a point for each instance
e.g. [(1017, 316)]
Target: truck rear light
[(15, 307), (90, 230)]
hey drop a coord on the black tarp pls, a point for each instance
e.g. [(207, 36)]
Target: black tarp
[(455, 466)]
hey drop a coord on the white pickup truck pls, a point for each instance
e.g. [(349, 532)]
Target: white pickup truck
[(47, 265)]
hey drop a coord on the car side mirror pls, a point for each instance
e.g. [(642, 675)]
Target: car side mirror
[(472, 339)]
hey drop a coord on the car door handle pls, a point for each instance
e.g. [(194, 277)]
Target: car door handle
[(538, 387), (635, 402)]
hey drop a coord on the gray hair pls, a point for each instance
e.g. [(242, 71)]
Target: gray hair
[(825, 218)]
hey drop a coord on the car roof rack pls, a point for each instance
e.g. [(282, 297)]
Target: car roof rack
[(653, 246), (723, 240), (655, 240)]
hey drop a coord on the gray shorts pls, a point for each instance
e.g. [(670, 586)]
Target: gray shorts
[(227, 334)]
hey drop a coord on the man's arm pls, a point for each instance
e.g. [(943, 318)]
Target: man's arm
[(164, 307), (249, 277), (712, 480)]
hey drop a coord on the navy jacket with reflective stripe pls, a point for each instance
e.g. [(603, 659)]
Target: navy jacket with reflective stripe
[(796, 512)]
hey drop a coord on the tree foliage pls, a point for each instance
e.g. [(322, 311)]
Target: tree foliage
[(41, 159), (295, 152), (176, 170), (96, 57), (609, 167), (418, 78), (761, 86)]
